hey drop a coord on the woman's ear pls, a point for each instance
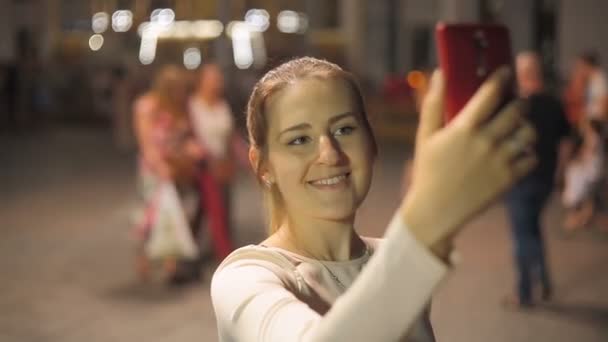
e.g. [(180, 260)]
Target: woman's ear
[(261, 170), (254, 158)]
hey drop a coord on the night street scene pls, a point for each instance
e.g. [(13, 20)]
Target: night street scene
[(313, 170)]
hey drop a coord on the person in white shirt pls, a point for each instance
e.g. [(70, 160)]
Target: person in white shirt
[(213, 126), (583, 176), (311, 146), (211, 115), (596, 103)]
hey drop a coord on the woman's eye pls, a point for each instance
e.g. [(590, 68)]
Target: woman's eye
[(298, 141), (346, 130)]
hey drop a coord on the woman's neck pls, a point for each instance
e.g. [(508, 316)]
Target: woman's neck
[(320, 239), (209, 98)]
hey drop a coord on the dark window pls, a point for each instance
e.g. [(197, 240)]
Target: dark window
[(76, 15), (324, 14), (421, 47)]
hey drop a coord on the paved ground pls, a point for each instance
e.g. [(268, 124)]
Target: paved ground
[(66, 256)]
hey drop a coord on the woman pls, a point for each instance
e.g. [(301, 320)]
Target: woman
[(583, 176), (213, 125), (313, 150), (168, 158)]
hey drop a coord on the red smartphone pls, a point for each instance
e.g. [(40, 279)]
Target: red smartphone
[(468, 54)]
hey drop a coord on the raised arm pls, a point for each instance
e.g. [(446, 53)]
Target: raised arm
[(143, 113)]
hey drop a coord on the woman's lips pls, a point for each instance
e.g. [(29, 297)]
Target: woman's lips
[(331, 182)]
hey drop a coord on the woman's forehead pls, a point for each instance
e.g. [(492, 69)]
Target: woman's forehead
[(308, 100)]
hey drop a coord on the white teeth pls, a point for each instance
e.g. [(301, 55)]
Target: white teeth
[(330, 181)]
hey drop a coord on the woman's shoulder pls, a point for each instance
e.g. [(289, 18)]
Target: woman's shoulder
[(256, 264), (254, 254)]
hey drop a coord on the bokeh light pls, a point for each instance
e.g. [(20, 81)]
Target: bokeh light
[(259, 19), (122, 20), (100, 22), (192, 58), (96, 42)]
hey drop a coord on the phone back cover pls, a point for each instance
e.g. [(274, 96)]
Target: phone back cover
[(468, 54)]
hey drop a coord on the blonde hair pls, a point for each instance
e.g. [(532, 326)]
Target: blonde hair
[(171, 87), (257, 125)]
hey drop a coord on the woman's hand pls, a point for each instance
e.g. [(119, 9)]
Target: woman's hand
[(460, 169)]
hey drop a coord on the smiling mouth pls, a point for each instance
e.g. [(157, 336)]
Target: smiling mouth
[(331, 181)]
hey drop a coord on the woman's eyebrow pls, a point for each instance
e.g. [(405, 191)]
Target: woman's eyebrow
[(305, 125), (297, 127), (339, 117)]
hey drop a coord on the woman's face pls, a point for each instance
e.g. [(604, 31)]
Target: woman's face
[(319, 151), (211, 80), (179, 92), (175, 90)]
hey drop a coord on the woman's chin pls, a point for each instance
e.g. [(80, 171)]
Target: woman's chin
[(337, 213)]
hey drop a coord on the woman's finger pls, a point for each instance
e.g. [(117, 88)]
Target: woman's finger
[(487, 98), (523, 166), (519, 143), (526, 133), (505, 122), (431, 116)]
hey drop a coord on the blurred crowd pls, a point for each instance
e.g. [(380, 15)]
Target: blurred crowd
[(188, 147), (188, 151)]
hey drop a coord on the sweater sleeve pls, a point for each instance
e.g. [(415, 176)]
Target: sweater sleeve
[(252, 302)]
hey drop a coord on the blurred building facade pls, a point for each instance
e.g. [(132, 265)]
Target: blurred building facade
[(49, 41), (558, 29)]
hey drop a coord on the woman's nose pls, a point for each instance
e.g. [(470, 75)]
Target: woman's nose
[(329, 151)]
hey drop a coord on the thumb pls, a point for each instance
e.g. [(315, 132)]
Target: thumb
[(431, 116)]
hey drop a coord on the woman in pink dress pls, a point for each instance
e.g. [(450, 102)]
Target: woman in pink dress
[(168, 152)]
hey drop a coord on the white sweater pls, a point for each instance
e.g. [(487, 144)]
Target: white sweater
[(268, 294)]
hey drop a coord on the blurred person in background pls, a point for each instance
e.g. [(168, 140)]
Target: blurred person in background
[(596, 95), (214, 129), (312, 148), (574, 97), (526, 200), (168, 158), (574, 94), (583, 176)]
